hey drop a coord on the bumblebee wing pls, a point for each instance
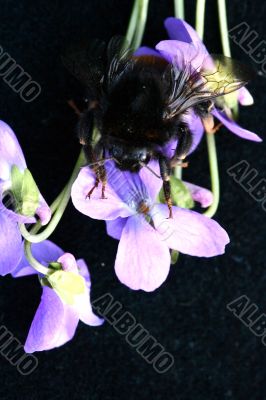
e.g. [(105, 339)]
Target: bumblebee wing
[(86, 62), (97, 65), (228, 75), (189, 87), (119, 59)]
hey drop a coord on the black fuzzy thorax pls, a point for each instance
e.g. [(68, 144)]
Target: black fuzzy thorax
[(135, 105)]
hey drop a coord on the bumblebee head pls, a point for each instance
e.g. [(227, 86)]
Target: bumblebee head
[(129, 158)]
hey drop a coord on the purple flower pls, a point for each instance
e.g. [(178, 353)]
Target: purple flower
[(142, 226), (185, 47), (59, 312), (12, 210), (197, 131), (200, 195)]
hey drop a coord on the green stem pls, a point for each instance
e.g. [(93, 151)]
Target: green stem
[(200, 16), (214, 171), (179, 9), (210, 137), (61, 203), (132, 24), (33, 262), (224, 27), (53, 208), (178, 172), (141, 23), (225, 38)]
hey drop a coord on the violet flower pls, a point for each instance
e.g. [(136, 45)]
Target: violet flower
[(199, 194), (18, 203), (142, 226), (184, 47), (57, 316)]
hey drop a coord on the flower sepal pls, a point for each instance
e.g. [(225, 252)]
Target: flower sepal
[(67, 284), (25, 191), (181, 195)]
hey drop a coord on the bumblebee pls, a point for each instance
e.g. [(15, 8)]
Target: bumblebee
[(139, 104)]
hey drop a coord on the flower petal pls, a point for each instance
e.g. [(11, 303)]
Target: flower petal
[(10, 151), (45, 252), (190, 232), (152, 182), (196, 127), (168, 149), (84, 271), (43, 211), (115, 227), (129, 186), (178, 29), (182, 54), (197, 130), (146, 51), (53, 325), (244, 97), (83, 303), (84, 309), (143, 260), (200, 194), (234, 127), (68, 262), (11, 249), (107, 209)]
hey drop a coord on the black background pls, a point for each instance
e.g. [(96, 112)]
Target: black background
[(216, 356)]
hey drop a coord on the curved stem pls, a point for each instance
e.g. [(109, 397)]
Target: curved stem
[(61, 204), (200, 16), (210, 137), (35, 229), (225, 38), (178, 172), (132, 23), (141, 23), (224, 27), (179, 9), (33, 262), (213, 163)]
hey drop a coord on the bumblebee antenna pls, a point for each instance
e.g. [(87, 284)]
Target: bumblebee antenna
[(101, 162), (151, 170), (74, 107)]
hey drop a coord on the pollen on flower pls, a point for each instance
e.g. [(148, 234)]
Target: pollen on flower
[(143, 208)]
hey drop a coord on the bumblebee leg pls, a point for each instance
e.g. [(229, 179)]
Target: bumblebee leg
[(209, 126), (85, 129), (96, 184), (165, 171), (93, 152), (100, 172), (103, 179), (101, 176), (74, 107), (183, 146)]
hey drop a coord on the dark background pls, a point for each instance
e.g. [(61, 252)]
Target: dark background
[(216, 356)]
